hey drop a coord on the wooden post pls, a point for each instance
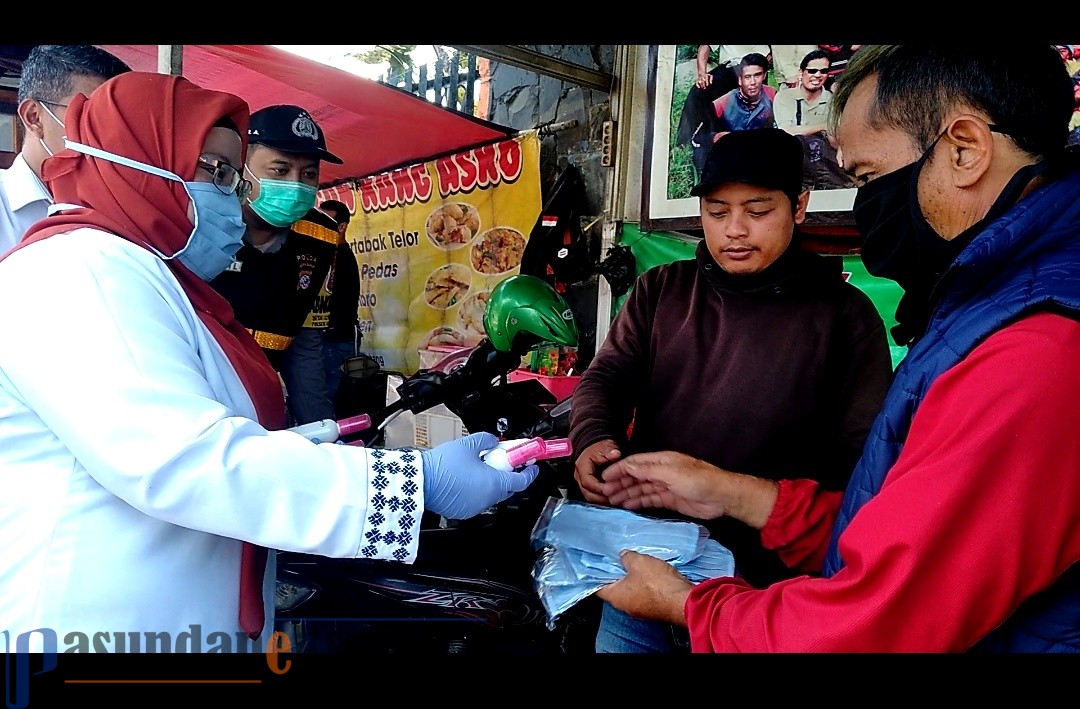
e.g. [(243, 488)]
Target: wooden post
[(171, 59)]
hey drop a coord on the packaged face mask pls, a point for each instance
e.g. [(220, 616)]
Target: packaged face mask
[(580, 544), (589, 566), (556, 585), (607, 531), (714, 561)]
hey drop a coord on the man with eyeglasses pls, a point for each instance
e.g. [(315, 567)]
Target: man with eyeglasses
[(803, 111), (804, 108), (287, 254), (51, 75), (787, 63)]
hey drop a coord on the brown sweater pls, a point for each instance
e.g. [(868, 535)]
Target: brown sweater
[(779, 375)]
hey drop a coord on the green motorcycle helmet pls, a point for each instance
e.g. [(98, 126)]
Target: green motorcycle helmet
[(524, 311)]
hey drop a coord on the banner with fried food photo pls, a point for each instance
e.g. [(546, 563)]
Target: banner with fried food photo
[(433, 239)]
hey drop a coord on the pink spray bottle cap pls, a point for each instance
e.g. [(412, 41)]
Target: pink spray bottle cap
[(353, 424), (537, 449), (557, 447), (521, 454)]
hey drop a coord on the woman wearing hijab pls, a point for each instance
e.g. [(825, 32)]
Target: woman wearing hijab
[(143, 473)]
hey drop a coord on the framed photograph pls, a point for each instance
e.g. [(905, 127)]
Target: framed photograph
[(683, 120)]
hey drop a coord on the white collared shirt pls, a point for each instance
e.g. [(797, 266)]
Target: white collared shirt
[(23, 201), (791, 108)]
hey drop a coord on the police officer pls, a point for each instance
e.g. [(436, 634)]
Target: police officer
[(287, 254)]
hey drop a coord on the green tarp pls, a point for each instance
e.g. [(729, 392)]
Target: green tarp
[(652, 248)]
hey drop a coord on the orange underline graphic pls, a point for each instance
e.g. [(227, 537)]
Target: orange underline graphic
[(163, 681)]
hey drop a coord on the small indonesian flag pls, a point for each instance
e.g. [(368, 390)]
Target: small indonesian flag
[(548, 220)]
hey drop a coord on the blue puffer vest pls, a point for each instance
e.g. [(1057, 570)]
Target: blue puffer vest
[(1027, 259)]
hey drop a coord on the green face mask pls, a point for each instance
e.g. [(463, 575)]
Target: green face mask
[(282, 203)]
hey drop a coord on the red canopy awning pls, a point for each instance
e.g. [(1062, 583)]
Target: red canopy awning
[(371, 126)]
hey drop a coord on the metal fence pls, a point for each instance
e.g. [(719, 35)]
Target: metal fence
[(446, 83)]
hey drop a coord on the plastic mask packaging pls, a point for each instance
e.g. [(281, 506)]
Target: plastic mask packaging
[(580, 545), (606, 531)]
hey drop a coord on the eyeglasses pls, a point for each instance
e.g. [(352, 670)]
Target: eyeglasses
[(816, 71), (52, 103), (59, 115), (226, 177)]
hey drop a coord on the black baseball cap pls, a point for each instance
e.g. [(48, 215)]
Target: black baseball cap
[(766, 157), (290, 129)]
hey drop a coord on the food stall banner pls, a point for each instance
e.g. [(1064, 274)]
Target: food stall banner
[(433, 239), (653, 248)]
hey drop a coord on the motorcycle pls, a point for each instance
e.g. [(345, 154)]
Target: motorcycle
[(470, 589)]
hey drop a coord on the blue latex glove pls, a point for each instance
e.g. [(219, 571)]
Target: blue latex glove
[(458, 485)]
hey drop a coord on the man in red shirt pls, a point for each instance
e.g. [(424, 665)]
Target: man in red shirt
[(960, 529)]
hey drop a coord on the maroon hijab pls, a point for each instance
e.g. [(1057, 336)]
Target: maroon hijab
[(160, 120)]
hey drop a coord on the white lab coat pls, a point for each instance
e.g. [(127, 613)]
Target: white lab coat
[(131, 466)]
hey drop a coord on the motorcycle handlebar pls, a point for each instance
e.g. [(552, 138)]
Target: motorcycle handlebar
[(460, 385)]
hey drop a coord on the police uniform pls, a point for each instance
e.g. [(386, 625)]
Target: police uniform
[(272, 293)]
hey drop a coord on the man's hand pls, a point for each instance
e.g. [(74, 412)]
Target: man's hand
[(688, 485), (588, 466), (704, 79), (651, 590)]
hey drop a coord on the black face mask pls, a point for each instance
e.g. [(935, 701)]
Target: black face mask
[(887, 214), (899, 244)]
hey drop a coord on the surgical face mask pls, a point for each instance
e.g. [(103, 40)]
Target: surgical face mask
[(606, 531), (282, 203), (218, 230), (53, 116), (566, 572)]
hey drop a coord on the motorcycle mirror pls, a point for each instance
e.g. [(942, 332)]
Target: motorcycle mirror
[(562, 408), (359, 366)]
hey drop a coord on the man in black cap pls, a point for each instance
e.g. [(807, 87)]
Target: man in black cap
[(287, 254), (756, 356)]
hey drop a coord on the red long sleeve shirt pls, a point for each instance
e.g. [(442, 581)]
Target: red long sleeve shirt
[(980, 511)]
